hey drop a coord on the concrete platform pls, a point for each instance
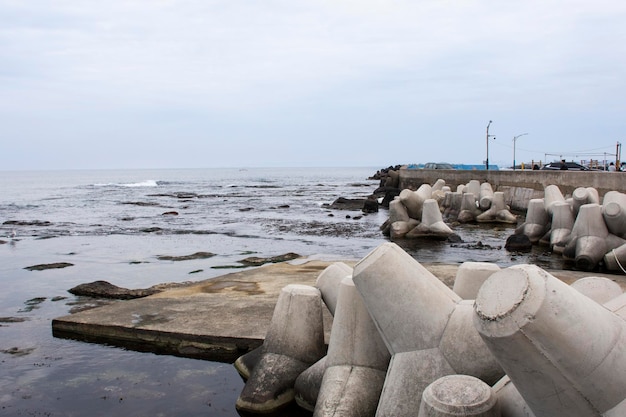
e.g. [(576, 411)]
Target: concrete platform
[(217, 319)]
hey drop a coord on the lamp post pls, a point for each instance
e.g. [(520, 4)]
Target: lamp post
[(514, 140), (488, 136)]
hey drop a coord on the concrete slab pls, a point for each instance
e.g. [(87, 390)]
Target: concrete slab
[(217, 319)]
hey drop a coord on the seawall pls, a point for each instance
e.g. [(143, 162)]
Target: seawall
[(521, 185)]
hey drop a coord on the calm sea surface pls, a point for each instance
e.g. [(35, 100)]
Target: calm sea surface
[(113, 225)]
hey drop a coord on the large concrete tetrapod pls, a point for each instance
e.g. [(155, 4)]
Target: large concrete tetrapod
[(469, 209), (552, 195), (565, 353), (473, 187), (397, 211), (599, 289), (590, 239), (537, 220), (486, 196), (459, 395), (510, 400), (413, 200), (432, 224), (582, 196), (562, 224), (294, 341), (614, 212), (497, 212), (356, 362), (615, 259), (470, 277), (424, 324), (328, 282)]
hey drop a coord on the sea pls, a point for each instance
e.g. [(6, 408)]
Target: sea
[(114, 225)]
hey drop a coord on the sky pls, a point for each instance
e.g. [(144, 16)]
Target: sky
[(208, 83)]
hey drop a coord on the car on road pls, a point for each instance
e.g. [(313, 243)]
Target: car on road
[(438, 165), (571, 166)]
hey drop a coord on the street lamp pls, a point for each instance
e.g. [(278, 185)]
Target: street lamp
[(488, 136), (514, 140)]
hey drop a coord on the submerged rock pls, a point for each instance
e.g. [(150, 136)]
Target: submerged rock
[(41, 267), (258, 261), (197, 255)]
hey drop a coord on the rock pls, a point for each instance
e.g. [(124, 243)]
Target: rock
[(197, 255), (257, 261), (104, 289), (518, 243), (41, 267), (170, 213), (343, 203), (27, 223), (370, 205)]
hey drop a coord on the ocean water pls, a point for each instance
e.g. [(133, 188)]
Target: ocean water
[(113, 226)]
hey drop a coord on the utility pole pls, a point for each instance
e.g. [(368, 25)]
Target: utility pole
[(488, 136), (514, 140)]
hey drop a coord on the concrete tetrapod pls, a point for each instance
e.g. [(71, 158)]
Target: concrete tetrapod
[(397, 211), (537, 220), (469, 210), (599, 289), (459, 395), (486, 196), (473, 187), (615, 259), (294, 341), (413, 200), (356, 362), (590, 239), (562, 224), (497, 212), (582, 196), (552, 195), (432, 224), (510, 400), (450, 206), (308, 383), (565, 353), (424, 324), (470, 277), (614, 212), (328, 282)]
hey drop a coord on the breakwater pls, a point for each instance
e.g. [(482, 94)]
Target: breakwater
[(519, 186)]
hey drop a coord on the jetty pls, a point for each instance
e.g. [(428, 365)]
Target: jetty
[(218, 319)]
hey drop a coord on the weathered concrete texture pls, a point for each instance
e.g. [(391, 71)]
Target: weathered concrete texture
[(308, 384), (421, 321), (459, 395), (537, 219), (614, 212), (590, 239), (470, 277), (562, 224), (357, 360), (294, 341), (565, 353), (599, 289), (329, 281), (510, 400)]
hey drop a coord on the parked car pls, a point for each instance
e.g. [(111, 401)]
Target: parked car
[(438, 165), (571, 166)]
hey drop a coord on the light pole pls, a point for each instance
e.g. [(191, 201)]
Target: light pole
[(488, 136), (514, 140)]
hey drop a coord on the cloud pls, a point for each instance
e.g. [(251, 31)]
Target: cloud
[(371, 69)]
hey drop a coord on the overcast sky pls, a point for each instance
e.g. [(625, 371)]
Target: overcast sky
[(201, 83)]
